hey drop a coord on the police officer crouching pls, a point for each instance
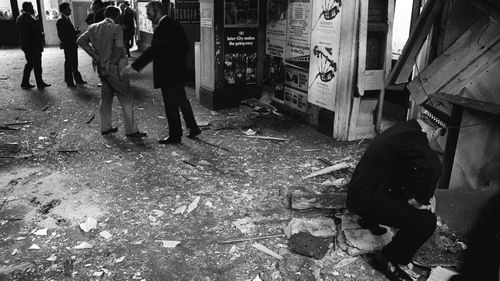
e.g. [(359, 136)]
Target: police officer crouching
[(393, 185)]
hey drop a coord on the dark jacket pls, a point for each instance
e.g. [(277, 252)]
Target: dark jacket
[(168, 51), (399, 161), (127, 20), (30, 34), (66, 32)]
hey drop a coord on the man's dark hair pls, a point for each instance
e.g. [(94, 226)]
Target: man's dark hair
[(98, 3), (64, 6), (157, 6), (111, 12), (27, 6), (126, 3)]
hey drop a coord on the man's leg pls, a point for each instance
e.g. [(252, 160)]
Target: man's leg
[(106, 106), (415, 226), (124, 95), (27, 70), (187, 111), (74, 67), (68, 75), (37, 66), (171, 102)]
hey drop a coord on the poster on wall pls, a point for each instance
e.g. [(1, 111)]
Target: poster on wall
[(187, 11), (295, 99), (296, 78), (240, 56), (298, 34), (275, 77), (276, 19), (145, 25), (325, 42)]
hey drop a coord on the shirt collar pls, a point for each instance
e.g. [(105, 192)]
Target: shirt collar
[(164, 16), (109, 20), (32, 16)]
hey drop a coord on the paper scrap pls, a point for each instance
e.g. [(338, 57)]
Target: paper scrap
[(34, 247), (105, 234), (118, 260), (169, 244), (41, 232), (89, 224), (52, 258), (193, 204), (180, 210), (266, 250), (83, 245)]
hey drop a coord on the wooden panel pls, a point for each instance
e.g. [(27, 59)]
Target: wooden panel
[(463, 100), (477, 41), (374, 80), (363, 34), (345, 83), (404, 66)]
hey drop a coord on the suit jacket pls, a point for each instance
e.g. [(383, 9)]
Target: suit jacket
[(127, 20), (168, 51), (30, 34), (399, 161), (66, 32), (104, 40)]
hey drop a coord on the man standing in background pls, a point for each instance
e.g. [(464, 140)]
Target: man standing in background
[(127, 21), (67, 34), (31, 37)]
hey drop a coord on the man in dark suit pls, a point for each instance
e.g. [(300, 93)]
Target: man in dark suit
[(31, 37), (168, 51), (127, 21), (67, 34)]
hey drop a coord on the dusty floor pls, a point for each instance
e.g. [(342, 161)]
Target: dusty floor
[(133, 188)]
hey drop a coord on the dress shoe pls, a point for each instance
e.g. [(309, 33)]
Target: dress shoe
[(42, 85), (194, 132), (27, 86), (81, 82), (71, 85), (169, 140), (136, 135), (391, 270), (110, 131)]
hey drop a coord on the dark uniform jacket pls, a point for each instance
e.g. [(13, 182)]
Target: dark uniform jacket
[(127, 20), (399, 161), (30, 34), (168, 51), (67, 33)]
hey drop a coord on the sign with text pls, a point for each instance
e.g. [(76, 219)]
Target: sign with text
[(240, 56)]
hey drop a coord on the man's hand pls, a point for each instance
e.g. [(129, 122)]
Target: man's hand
[(126, 71), (417, 205)]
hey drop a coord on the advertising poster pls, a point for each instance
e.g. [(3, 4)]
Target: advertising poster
[(240, 56), (325, 42), (276, 19), (295, 99), (296, 78), (145, 25), (298, 34)]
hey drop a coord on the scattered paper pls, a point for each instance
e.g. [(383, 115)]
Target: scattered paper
[(118, 260), (193, 204), (257, 278), (250, 132), (169, 244), (41, 232), (89, 224), (345, 262), (158, 213), (98, 273), (440, 274), (245, 225), (266, 250), (180, 210), (52, 258), (34, 247), (14, 252), (83, 245), (105, 234)]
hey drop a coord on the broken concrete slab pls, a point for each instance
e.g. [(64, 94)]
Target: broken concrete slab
[(319, 227)]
